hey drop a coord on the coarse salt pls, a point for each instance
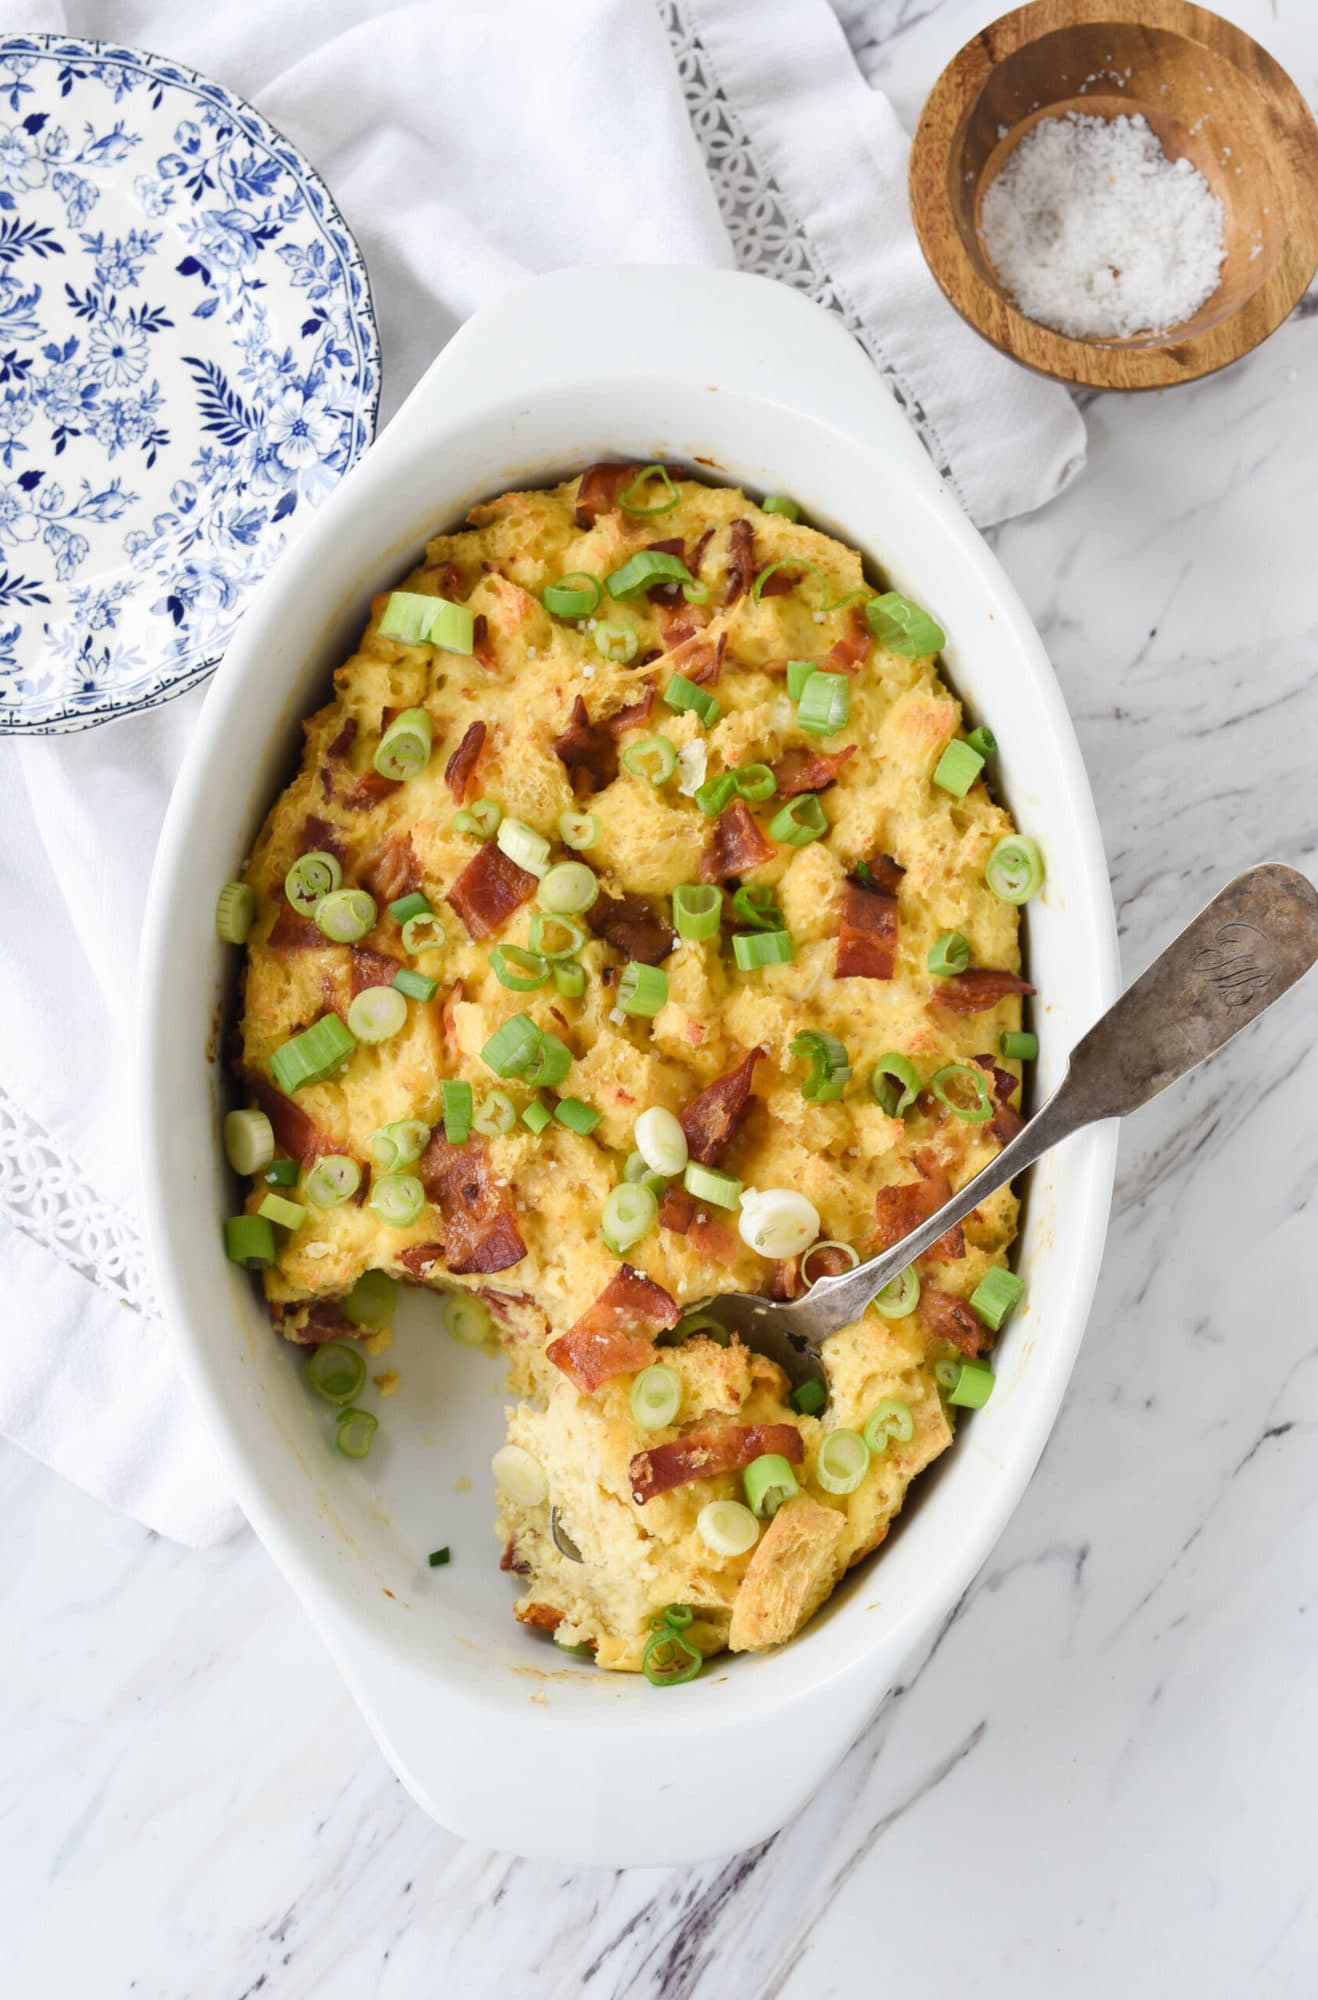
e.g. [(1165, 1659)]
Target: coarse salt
[(1097, 233)]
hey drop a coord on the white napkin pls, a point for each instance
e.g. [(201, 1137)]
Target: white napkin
[(467, 145)]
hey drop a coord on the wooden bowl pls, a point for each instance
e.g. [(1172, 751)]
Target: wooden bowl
[(1209, 92)]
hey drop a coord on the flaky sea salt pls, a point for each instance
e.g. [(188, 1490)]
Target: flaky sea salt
[(1097, 233)]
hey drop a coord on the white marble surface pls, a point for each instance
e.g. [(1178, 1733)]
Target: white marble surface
[(1101, 1778)]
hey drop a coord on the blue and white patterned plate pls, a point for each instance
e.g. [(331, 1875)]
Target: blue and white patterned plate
[(188, 355)]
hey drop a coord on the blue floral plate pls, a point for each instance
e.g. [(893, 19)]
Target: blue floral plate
[(188, 355)]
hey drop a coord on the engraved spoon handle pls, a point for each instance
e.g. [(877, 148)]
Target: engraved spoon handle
[(1226, 968)]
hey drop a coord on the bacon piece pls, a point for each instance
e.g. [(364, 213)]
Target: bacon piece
[(677, 1210), (886, 874), (292, 932), (631, 926), (394, 872), (867, 933), (489, 889), (698, 657), (950, 1317), (735, 846), (587, 750), (542, 1616), (481, 1232), (802, 770), (711, 1118), (344, 741), (1006, 1121), (713, 1238), (615, 1335), (460, 766), (482, 647), (325, 1321), (898, 1210), (974, 992), (448, 1020), (368, 790), (786, 1281), (741, 560), (318, 836), (703, 1454), (295, 1134), (421, 1258), (598, 490), (372, 968), (679, 625), (630, 717), (826, 1262), (510, 1560), (846, 654), (778, 584), (698, 552)]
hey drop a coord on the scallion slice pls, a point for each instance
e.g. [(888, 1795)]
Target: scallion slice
[(894, 1083), (569, 888), (452, 626), (708, 1184), (398, 1199), (249, 1141), (249, 1240), (466, 1318), (778, 1222), (646, 568), (727, 1528), (570, 978), (413, 905), (497, 1114), (830, 1065), (682, 694), (404, 749), (575, 595), (481, 818), (902, 627), (968, 1384), (656, 1396), (312, 876), (827, 1243), (371, 1302), (399, 1144), (520, 971), (579, 830), (281, 1173), (1014, 870), (377, 1014), (825, 704), (754, 783), (554, 936), (715, 793), (615, 641), (842, 1461), (550, 1062), (579, 1117), (513, 1047), (697, 910), (278, 1208), (335, 1178), (1020, 1047), (419, 620), (757, 907), (949, 954), (439, 1557), (997, 1294), (314, 1056), (536, 1116), (235, 913), (768, 1481), (642, 989), (415, 985), (458, 1100), (345, 915), (423, 933), (522, 844), (661, 1144), (630, 497), (336, 1372), (778, 503), (963, 1088), (808, 1397), (889, 1420), (354, 1433), (669, 1660), (958, 768), (785, 562), (798, 673), (983, 740), (654, 758), (899, 1297), (629, 1213), (520, 1475), (754, 949), (800, 821)]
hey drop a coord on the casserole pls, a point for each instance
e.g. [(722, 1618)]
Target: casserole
[(496, 1737)]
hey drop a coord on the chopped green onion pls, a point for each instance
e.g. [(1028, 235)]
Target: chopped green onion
[(830, 1065), (429, 621), (452, 627), (378, 1014), (311, 877), (414, 905), (281, 1173), (335, 1178), (958, 768), (512, 1047), (398, 1199), (629, 498), (642, 989), (825, 703), (399, 1144), (902, 627), (615, 642), (715, 793), (798, 674), (777, 1222), (948, 954), (728, 1528), (354, 1433), (894, 1083), (314, 1056), (899, 1297), (786, 562), (497, 1114), (768, 1480), (968, 1384), (656, 1396), (661, 1142), (997, 1294), (669, 1660), (682, 693), (405, 747), (646, 567), (578, 1117), (827, 1243), (249, 1141), (696, 592), (1020, 1047), (235, 913), (466, 1318), (522, 844), (569, 888), (697, 910), (371, 1302), (753, 949), (950, 1085), (575, 595), (692, 1324), (336, 1372), (778, 503), (635, 1167), (550, 1062), (249, 1240), (809, 1397), (422, 934), (754, 782), (438, 1557), (278, 1208), (481, 818), (346, 915), (458, 1105), (415, 985), (570, 979), (708, 1184), (555, 936), (536, 1117), (842, 1461), (629, 1213), (579, 830), (983, 740), (889, 1419), (520, 971), (800, 821), (1014, 870), (654, 758), (757, 907)]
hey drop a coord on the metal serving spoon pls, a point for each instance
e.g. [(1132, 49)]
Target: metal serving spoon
[(1240, 954)]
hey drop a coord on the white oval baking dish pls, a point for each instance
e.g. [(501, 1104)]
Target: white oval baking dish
[(495, 1734)]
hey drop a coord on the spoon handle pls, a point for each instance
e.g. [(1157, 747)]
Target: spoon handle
[(1242, 952)]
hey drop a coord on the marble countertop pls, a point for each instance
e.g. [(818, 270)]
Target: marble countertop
[(1100, 1778)]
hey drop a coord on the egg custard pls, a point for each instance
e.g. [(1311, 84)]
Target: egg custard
[(640, 926)]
